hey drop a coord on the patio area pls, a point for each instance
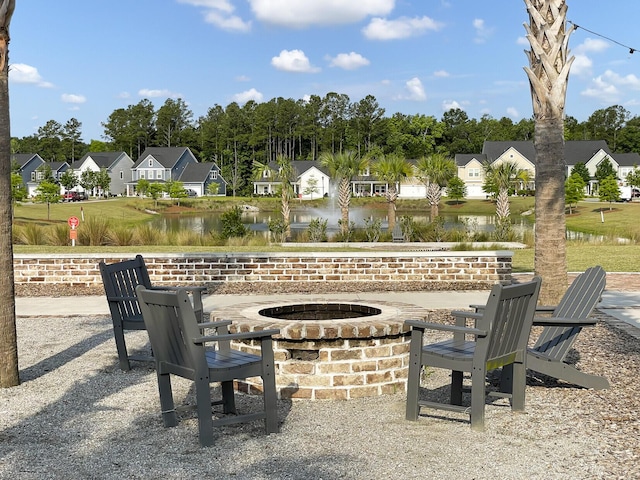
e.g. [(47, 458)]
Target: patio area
[(76, 415)]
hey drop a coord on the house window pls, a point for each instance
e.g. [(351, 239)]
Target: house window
[(365, 173), (121, 175), (474, 173), (213, 175), (159, 174), (142, 174), (33, 176), (266, 174), (151, 162)]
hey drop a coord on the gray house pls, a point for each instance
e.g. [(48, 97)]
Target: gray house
[(27, 166), (117, 165), (197, 177)]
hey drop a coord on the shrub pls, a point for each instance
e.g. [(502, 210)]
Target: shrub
[(58, 235), (232, 225), (31, 234), (121, 236), (94, 232), (317, 230)]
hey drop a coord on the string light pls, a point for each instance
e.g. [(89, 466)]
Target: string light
[(576, 26)]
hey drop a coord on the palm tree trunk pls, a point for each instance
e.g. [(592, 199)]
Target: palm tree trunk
[(550, 258), (391, 206), (548, 72), (344, 200), (9, 375)]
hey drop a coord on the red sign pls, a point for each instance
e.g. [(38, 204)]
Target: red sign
[(73, 222)]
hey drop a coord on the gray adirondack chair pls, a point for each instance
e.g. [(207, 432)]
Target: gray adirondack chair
[(562, 327), (120, 281), (501, 334), (179, 349)]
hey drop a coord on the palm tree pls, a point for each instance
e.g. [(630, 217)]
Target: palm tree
[(502, 176), (286, 174), (548, 72), (342, 168), (434, 172), (9, 375), (391, 169)]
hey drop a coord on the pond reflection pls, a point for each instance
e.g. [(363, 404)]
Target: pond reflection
[(259, 221)]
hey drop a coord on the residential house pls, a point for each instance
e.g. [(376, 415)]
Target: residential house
[(163, 164), (27, 166), (116, 164), (197, 177), (311, 180)]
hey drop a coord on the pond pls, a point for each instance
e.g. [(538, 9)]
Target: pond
[(258, 221)]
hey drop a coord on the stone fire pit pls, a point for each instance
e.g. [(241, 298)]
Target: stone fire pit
[(330, 350)]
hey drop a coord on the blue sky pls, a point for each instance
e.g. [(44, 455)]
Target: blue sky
[(85, 58)]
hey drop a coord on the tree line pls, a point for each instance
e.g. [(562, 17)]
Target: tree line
[(236, 137)]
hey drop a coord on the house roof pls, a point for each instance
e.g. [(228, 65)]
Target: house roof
[(56, 166), (627, 159), (493, 150), (101, 159), (197, 172), (23, 158), (166, 156), (463, 159), (581, 151)]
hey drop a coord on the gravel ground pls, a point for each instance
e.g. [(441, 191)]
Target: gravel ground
[(77, 416)]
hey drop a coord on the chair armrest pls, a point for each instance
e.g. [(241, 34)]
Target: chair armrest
[(174, 288), (466, 314), (546, 308), (122, 299), (564, 322), (216, 324), (420, 325), (237, 336)]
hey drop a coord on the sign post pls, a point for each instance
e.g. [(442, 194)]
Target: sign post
[(73, 234)]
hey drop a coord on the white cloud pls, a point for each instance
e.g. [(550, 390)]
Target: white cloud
[(348, 61), (247, 95), (220, 13), (155, 93), (582, 65), (482, 32), (451, 105), (592, 45), (304, 13), (512, 112), (124, 95), (242, 78), (524, 41), (293, 61), (416, 90), (441, 74), (72, 98), (23, 73), (610, 87), (403, 27)]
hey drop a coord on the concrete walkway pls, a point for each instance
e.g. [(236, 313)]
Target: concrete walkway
[(623, 306)]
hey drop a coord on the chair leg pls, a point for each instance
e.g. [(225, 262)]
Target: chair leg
[(167, 406), (270, 401), (413, 376), (121, 347), (228, 397), (519, 384), (205, 417), (478, 395), (456, 387)]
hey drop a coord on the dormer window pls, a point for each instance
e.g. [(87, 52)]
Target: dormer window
[(151, 162)]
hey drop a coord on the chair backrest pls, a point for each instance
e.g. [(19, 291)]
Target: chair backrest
[(508, 317), (120, 281), (171, 324), (579, 301)]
